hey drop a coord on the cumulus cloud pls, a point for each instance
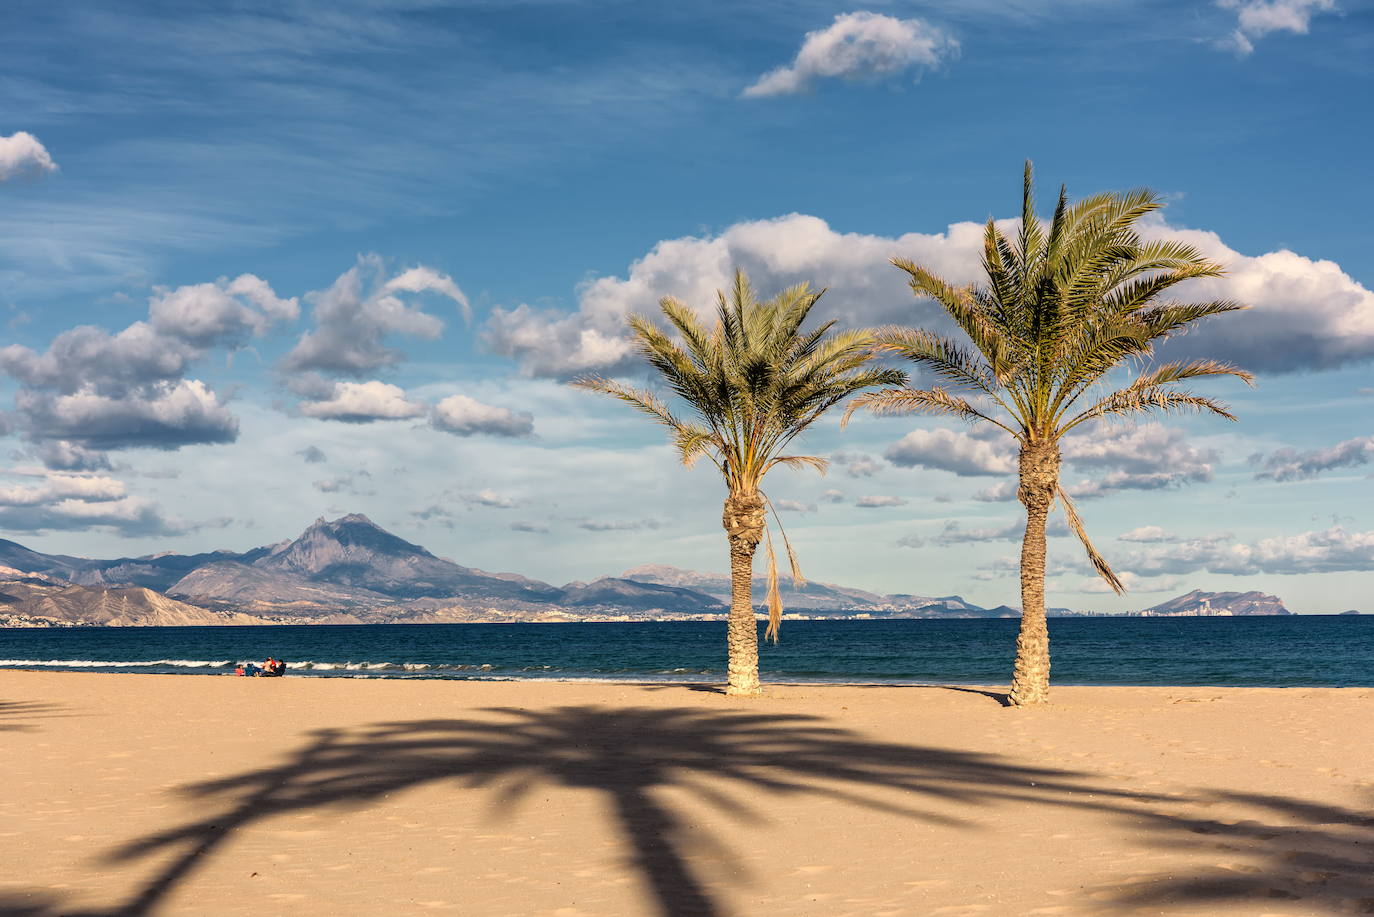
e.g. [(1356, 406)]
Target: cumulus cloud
[(464, 416), (22, 155), (93, 389), (949, 450), (833, 496), (363, 402), (794, 506), (1258, 18), (61, 455), (488, 497), (66, 502), (163, 415), (356, 315), (224, 313), (1306, 314), (878, 501), (911, 541), (313, 455), (856, 464), (1292, 465), (1002, 492), (61, 487), (777, 253), (1332, 550), (1147, 457), (857, 46)]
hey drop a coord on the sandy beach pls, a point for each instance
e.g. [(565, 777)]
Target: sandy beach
[(131, 794)]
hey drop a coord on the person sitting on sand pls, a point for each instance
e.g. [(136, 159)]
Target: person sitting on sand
[(280, 669), (238, 669), (251, 669)]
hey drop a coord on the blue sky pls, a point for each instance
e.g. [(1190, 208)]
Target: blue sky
[(341, 257)]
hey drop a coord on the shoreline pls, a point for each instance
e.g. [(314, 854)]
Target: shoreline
[(579, 799), (641, 681)]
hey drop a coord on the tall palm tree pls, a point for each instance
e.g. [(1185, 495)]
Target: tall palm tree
[(1062, 307), (752, 383)]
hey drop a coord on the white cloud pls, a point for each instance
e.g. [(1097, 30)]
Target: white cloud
[(61, 487), (68, 502), (359, 311), (1306, 314), (878, 501), (794, 506), (21, 154), (858, 45), (776, 253), (464, 416), (1258, 18), (856, 464), (832, 496), (1291, 465), (162, 415), (949, 450), (222, 312), (93, 390), (363, 402), (488, 497), (1146, 457), (1328, 551), (1001, 492)]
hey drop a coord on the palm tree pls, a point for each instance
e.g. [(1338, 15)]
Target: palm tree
[(1063, 305), (753, 383)]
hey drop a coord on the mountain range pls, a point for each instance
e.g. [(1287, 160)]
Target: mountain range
[(350, 570)]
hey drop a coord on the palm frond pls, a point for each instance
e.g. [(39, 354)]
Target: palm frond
[(1099, 563)]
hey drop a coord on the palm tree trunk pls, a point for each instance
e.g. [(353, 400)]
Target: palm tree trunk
[(1030, 683), (743, 520)]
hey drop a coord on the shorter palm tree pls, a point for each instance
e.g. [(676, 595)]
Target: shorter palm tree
[(753, 383), (1063, 306)]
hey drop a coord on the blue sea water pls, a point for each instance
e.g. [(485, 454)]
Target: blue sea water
[(1259, 651)]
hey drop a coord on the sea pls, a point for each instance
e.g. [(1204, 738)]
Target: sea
[(1307, 650)]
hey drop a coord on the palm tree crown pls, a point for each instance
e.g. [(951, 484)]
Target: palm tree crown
[(1063, 305), (748, 386)]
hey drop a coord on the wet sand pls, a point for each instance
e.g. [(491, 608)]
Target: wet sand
[(147, 794)]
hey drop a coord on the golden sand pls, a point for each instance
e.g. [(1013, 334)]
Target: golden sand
[(148, 794)]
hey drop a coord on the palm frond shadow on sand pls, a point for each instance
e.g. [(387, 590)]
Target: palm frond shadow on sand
[(15, 715), (726, 760)]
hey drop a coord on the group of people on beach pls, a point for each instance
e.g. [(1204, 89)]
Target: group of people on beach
[(272, 668)]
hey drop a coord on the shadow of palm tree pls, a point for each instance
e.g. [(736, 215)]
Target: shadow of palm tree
[(724, 759), (1286, 849), (22, 710), (627, 754)]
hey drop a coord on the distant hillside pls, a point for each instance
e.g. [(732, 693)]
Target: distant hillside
[(1219, 604), (818, 597), (130, 606)]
